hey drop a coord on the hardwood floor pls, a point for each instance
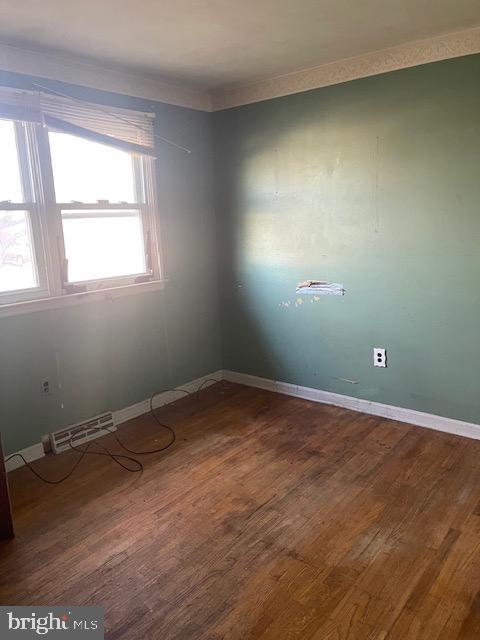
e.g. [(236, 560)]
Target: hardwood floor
[(271, 518)]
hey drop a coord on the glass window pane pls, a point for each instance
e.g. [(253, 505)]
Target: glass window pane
[(86, 171), (17, 264), (103, 246), (10, 183)]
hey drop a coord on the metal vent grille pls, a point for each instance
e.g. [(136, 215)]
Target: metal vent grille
[(82, 432)]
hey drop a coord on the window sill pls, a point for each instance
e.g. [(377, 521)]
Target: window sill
[(73, 299)]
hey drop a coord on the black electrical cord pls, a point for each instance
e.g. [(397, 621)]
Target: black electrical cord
[(164, 447), (83, 452), (116, 457), (42, 478), (202, 385)]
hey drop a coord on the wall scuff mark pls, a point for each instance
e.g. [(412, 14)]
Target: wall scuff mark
[(345, 380), (377, 168)]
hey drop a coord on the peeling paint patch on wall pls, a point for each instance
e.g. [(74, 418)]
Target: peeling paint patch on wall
[(320, 288)]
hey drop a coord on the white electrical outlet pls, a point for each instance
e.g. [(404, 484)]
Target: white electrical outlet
[(379, 357)]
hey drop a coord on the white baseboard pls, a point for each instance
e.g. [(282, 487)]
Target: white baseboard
[(36, 451), (29, 453), (418, 418)]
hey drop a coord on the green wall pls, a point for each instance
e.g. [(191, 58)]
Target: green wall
[(375, 184), (108, 355)]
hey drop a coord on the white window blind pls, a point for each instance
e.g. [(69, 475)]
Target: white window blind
[(131, 126), (123, 125)]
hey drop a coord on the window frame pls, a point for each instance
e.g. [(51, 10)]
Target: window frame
[(45, 219), (30, 182)]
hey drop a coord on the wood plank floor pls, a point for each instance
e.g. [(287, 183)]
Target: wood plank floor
[(271, 518)]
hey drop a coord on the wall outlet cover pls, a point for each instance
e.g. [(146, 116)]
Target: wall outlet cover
[(379, 357)]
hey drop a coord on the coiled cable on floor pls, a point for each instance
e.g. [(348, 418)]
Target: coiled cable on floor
[(118, 458)]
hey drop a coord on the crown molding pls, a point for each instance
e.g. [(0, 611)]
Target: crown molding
[(88, 74), (411, 54)]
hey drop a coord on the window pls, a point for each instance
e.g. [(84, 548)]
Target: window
[(100, 209), (77, 209)]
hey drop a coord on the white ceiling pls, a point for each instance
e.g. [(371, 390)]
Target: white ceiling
[(221, 43)]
